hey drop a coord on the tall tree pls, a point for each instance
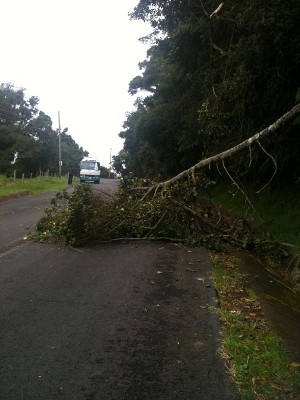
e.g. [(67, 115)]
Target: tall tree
[(27, 138), (15, 114), (15, 110), (215, 74)]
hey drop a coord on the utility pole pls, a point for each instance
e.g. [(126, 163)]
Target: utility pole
[(109, 163), (59, 148)]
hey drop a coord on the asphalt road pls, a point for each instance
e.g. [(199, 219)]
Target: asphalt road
[(113, 322)]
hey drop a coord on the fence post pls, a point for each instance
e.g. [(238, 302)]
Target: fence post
[(23, 177), (15, 175)]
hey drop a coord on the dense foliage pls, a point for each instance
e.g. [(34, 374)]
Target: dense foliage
[(28, 143), (214, 76), (179, 213)]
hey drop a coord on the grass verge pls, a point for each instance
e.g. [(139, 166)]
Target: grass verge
[(276, 210), (35, 185), (254, 354)]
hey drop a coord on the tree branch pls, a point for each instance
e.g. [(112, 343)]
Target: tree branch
[(228, 153), (223, 52), (216, 10)]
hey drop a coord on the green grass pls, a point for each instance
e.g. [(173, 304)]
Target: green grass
[(277, 210), (34, 185), (254, 354)]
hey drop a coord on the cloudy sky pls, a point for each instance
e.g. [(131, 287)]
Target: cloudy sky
[(77, 57)]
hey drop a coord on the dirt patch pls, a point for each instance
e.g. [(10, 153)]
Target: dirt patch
[(7, 197)]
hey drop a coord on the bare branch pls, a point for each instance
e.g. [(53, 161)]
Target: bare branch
[(223, 52), (250, 156), (238, 187), (214, 92), (230, 152), (275, 169), (216, 10), (204, 9), (151, 228)]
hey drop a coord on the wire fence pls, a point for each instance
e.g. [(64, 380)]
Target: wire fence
[(15, 179)]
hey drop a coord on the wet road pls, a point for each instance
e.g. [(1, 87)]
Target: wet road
[(114, 322), (18, 214)]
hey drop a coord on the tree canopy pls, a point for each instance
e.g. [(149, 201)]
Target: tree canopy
[(214, 75), (28, 143)]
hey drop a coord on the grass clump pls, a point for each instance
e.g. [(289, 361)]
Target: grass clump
[(254, 354)]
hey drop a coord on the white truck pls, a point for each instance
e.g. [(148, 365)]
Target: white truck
[(90, 170)]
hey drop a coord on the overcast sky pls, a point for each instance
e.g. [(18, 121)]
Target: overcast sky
[(78, 58)]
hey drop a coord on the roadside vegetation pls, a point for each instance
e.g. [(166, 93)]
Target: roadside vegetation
[(28, 142), (183, 212), (276, 209), (9, 186), (253, 353)]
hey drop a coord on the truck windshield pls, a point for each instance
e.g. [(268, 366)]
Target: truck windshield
[(88, 165)]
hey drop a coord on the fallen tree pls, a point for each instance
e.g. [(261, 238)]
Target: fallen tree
[(228, 153), (180, 213)]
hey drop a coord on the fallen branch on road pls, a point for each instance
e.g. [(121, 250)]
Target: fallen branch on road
[(178, 214)]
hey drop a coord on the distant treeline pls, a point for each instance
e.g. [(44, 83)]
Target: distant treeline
[(28, 143)]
